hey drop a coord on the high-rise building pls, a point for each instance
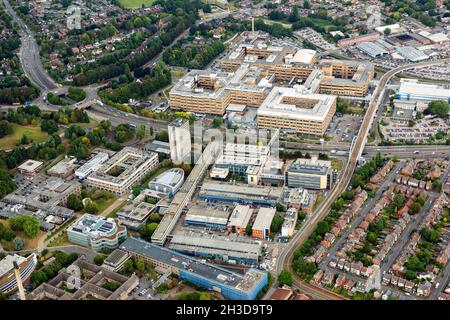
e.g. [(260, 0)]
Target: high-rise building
[(180, 141)]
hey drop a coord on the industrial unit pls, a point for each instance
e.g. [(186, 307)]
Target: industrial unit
[(261, 226), (231, 285), (207, 217), (216, 247)]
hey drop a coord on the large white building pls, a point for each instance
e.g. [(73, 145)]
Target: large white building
[(180, 141), (412, 89), (297, 109), (168, 182), (123, 170), (92, 165)]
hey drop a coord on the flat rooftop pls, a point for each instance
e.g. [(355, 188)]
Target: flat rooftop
[(264, 218), (296, 103), (241, 282), (30, 165), (416, 88), (213, 244), (240, 216)]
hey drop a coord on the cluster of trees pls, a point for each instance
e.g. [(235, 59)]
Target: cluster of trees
[(195, 296), (56, 100), (124, 132), (7, 184), (62, 260), (76, 94), (180, 21), (74, 202), (6, 233), (439, 107), (285, 278), (276, 29), (29, 224), (5, 128), (159, 78), (33, 115), (47, 150), (81, 142), (147, 230), (277, 222), (195, 57), (423, 10), (364, 172), (17, 94)]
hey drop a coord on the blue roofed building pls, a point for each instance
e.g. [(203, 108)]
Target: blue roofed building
[(231, 285)]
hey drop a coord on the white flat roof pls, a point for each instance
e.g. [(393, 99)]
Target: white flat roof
[(417, 88), (264, 218), (304, 56), (274, 106), (30, 165)]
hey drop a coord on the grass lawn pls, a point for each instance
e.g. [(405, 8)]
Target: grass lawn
[(132, 4), (337, 164), (320, 197), (12, 140), (105, 203), (61, 240)]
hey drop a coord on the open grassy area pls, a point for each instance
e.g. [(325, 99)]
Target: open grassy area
[(319, 198), (105, 203), (133, 4), (12, 140), (29, 243), (337, 164)]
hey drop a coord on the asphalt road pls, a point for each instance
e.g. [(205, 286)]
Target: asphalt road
[(29, 54)]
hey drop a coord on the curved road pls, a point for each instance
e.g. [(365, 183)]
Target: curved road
[(29, 54), (286, 257)]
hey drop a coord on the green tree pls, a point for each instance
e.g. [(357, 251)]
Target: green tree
[(91, 207), (285, 278), (99, 259), (74, 202), (18, 243), (217, 122), (139, 264), (322, 228), (277, 222), (439, 107)]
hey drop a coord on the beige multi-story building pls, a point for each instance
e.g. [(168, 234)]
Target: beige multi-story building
[(123, 170), (250, 70), (346, 78), (294, 109)]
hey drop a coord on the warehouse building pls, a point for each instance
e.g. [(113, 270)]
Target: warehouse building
[(123, 170), (231, 285), (412, 89), (261, 226), (412, 54), (239, 219), (207, 217), (298, 110), (242, 194), (96, 232), (219, 248), (372, 49)]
